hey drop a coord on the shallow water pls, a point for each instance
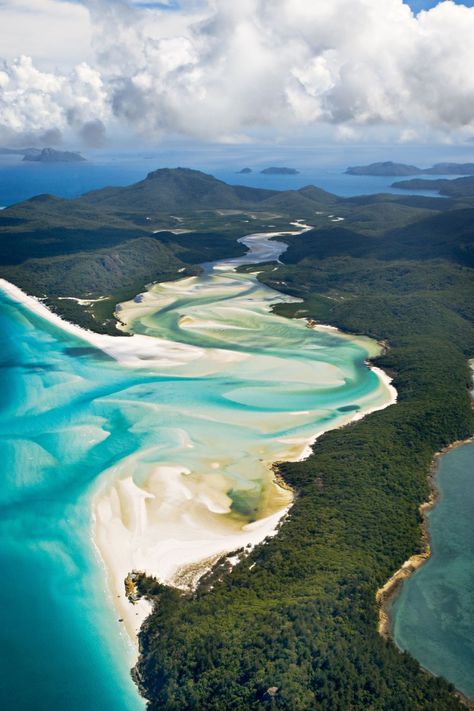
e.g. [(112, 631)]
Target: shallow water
[(433, 618), (174, 447)]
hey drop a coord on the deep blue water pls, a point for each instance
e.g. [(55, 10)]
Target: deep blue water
[(20, 181)]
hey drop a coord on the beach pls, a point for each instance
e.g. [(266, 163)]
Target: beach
[(238, 390)]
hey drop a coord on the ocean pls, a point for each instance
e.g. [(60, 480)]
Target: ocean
[(22, 180)]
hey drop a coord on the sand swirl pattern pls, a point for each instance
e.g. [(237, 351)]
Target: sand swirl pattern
[(160, 445)]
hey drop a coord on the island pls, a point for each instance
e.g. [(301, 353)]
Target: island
[(388, 168), (50, 155), (458, 188), (245, 171), (43, 155), (279, 171)]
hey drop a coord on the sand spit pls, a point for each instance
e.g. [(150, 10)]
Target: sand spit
[(137, 351), (173, 527)]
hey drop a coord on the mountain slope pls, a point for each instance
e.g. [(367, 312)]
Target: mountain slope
[(179, 189)]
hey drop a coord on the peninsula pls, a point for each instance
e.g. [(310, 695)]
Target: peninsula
[(458, 188)]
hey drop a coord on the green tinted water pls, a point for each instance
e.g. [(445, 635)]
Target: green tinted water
[(433, 618)]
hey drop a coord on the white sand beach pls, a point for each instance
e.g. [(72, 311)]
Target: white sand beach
[(174, 521)]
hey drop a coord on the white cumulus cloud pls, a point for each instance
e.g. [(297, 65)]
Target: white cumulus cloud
[(219, 69)]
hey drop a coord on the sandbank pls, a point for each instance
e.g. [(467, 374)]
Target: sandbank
[(175, 525)]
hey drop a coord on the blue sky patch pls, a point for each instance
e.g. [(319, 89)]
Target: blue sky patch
[(417, 5)]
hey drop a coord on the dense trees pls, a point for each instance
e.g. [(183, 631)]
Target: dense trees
[(294, 625), (299, 613)]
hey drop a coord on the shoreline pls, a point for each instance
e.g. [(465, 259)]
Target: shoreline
[(384, 378), (186, 573), (388, 593), (124, 349)]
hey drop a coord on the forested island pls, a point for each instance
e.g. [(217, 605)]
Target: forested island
[(279, 171), (389, 168), (293, 625), (458, 188), (44, 155)]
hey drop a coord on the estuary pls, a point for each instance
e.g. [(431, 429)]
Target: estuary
[(151, 452)]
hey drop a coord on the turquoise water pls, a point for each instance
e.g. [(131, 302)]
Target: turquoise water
[(61, 645), (168, 443), (433, 618)]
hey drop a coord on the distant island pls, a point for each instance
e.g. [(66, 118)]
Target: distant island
[(50, 155), (279, 171), (245, 171), (43, 155), (388, 168), (459, 188)]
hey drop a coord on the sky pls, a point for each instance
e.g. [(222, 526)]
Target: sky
[(418, 5), (126, 72)]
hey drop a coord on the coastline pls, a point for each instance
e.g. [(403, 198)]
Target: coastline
[(185, 571), (388, 593), (182, 566), (136, 351), (384, 378)]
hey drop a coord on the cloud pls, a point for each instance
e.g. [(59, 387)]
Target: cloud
[(34, 102), (93, 133), (217, 69), (54, 32)]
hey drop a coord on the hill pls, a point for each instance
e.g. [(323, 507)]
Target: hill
[(388, 169), (185, 190), (180, 189), (458, 188), (89, 247)]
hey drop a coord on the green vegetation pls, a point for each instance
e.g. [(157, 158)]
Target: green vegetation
[(460, 187), (389, 168), (112, 242), (294, 625), (108, 244), (299, 613)]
